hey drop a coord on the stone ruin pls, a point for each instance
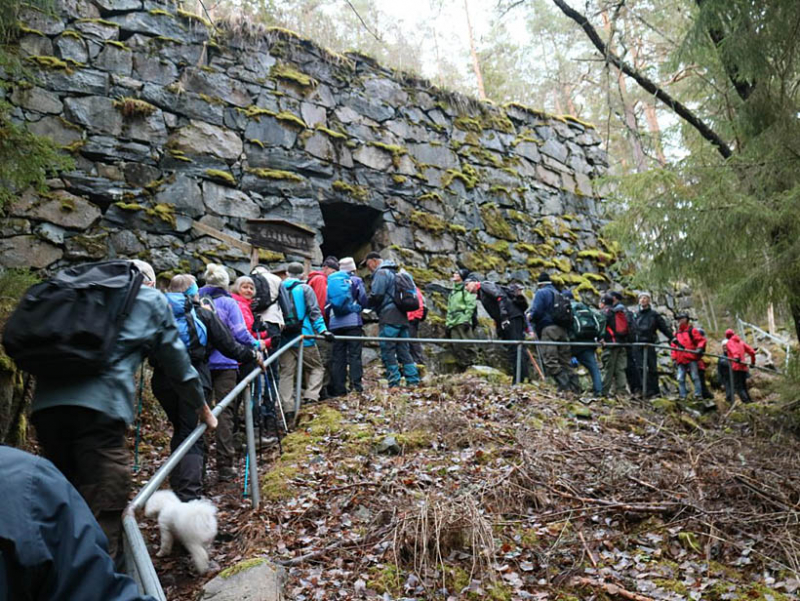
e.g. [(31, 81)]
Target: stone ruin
[(172, 120)]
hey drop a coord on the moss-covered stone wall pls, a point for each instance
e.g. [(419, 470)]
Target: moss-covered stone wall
[(172, 120)]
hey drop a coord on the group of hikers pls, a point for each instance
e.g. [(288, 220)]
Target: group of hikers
[(201, 341)]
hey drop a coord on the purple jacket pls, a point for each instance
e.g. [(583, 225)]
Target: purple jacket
[(229, 313)]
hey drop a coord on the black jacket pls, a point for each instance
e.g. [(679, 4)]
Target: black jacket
[(221, 339), (51, 547), (497, 303), (648, 323)]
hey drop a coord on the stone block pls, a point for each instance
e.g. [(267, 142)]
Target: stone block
[(251, 580), (229, 202), (271, 132), (46, 22), (114, 60), (439, 156), (28, 252), (199, 137), (60, 208), (216, 85), (71, 48), (95, 113), (37, 99), (184, 194), (80, 81)]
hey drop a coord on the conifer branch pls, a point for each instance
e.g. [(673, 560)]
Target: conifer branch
[(647, 84)]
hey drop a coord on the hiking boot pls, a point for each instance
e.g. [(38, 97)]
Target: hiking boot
[(290, 420)]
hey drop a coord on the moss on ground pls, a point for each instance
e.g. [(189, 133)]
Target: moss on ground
[(242, 566)]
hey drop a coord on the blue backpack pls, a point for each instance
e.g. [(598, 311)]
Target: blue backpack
[(191, 329), (340, 294)]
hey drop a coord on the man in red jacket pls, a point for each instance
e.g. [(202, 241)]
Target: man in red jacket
[(318, 281), (414, 319), (735, 350), (688, 350)]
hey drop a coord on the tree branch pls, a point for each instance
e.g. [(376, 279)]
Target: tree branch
[(648, 85)]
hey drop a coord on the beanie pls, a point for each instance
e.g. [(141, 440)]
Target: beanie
[(216, 275), (464, 273), (331, 262), (295, 268), (729, 333), (544, 277)]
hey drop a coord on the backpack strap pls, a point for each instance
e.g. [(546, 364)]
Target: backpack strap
[(130, 297)]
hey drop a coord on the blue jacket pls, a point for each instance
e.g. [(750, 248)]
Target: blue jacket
[(305, 301), (351, 320), (381, 295), (54, 548), (149, 331), (541, 311), (230, 314)]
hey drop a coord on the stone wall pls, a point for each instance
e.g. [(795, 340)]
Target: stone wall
[(171, 120)]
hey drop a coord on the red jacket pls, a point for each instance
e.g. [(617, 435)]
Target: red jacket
[(419, 314), (691, 339), (249, 320), (319, 284), (737, 349)]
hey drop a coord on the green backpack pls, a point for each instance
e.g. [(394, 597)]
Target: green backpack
[(587, 324)]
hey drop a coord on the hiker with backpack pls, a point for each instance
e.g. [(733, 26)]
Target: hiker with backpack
[(588, 325), (649, 323), (506, 306), (414, 319), (84, 334), (318, 281), (551, 316), (614, 358), (265, 306), (302, 315), (347, 296), (393, 295), (736, 351), (201, 331), (688, 349), (632, 375), (462, 319), (225, 370)]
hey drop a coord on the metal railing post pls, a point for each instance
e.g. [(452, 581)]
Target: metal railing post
[(518, 371), (255, 495), (644, 370), (298, 389)]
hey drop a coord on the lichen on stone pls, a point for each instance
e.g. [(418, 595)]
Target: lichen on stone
[(428, 221), (466, 123), (291, 118), (435, 196), (224, 176), (336, 135), (117, 44), (276, 174), (494, 223), (357, 192), (133, 107), (194, 17), (160, 12), (468, 175), (288, 73), (179, 155)]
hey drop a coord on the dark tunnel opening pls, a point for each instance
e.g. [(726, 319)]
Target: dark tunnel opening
[(348, 228)]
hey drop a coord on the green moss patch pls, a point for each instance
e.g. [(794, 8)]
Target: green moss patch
[(468, 175), (494, 222), (276, 174), (428, 221), (287, 73), (222, 176), (194, 17), (133, 107), (242, 566), (357, 192)]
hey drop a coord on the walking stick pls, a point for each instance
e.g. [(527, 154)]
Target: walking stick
[(535, 364)]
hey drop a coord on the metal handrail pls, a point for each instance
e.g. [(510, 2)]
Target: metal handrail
[(138, 562)]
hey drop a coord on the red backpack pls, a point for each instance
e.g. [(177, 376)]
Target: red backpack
[(620, 323)]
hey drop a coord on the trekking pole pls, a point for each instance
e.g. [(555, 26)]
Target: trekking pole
[(536, 365), (644, 370), (138, 422), (277, 400)]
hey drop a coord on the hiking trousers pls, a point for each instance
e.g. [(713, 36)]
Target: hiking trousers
[(650, 387), (346, 353), (692, 369), (223, 381), (88, 447), (633, 375), (614, 361), (557, 359), (415, 347), (313, 372), (395, 354), (186, 480), (587, 357), (465, 354)]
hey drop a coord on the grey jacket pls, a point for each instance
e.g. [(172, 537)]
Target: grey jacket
[(381, 295), (149, 331)]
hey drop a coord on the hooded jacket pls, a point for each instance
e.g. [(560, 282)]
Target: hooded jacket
[(229, 313), (461, 307), (249, 318), (319, 284), (649, 323), (691, 339), (737, 349)]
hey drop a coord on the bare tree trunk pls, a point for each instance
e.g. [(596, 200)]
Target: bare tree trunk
[(632, 124), (476, 66), (655, 131), (771, 319)]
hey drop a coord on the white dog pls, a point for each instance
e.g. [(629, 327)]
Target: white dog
[(194, 524)]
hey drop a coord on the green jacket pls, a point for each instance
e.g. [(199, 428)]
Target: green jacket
[(461, 307)]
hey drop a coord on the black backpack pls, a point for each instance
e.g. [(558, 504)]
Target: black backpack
[(263, 299), (516, 294), (562, 310), (292, 321), (67, 326), (405, 292)]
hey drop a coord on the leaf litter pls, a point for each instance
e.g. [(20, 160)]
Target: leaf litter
[(507, 493)]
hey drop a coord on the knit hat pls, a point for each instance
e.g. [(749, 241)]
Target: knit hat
[(607, 300), (729, 333), (295, 268), (216, 275), (331, 262), (473, 276), (544, 277), (464, 273), (616, 294), (347, 264), (647, 294), (682, 316)]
